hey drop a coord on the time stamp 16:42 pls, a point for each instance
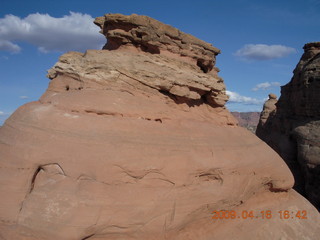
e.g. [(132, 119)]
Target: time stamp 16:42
[(267, 214)]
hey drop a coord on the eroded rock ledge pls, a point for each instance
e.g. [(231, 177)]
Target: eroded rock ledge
[(153, 54), (153, 36), (170, 76)]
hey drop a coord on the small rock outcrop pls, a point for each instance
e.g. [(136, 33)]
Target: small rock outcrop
[(153, 36), (134, 142), (268, 111), (134, 32), (293, 127)]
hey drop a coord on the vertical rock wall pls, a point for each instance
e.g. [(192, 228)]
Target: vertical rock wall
[(293, 128)]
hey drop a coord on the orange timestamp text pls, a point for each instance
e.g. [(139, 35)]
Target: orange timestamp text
[(265, 214)]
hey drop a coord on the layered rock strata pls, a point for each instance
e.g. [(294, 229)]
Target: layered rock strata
[(132, 144), (134, 32), (293, 127), (153, 36)]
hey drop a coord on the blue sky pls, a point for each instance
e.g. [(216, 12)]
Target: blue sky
[(261, 41)]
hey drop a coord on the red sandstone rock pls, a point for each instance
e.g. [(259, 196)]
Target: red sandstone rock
[(268, 111), (127, 144)]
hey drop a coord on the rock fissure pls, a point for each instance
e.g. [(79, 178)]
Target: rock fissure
[(51, 168), (88, 237)]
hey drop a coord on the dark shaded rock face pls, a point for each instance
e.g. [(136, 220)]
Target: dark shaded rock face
[(293, 127)]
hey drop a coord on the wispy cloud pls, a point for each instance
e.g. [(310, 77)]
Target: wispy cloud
[(24, 97), (4, 114), (75, 31), (4, 57), (9, 46), (265, 86), (3, 117), (263, 51), (235, 97)]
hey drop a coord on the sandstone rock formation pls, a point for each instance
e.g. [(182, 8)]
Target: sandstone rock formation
[(248, 120), (269, 109), (293, 128), (153, 36), (133, 143)]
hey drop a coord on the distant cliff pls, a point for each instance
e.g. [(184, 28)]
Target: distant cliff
[(248, 120)]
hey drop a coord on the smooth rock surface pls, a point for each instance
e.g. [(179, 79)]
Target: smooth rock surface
[(128, 144)]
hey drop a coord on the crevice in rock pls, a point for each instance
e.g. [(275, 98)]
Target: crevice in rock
[(51, 168), (140, 174), (211, 175), (101, 113), (204, 68), (87, 237), (274, 189), (33, 180), (183, 100), (150, 119), (166, 180), (149, 48), (136, 79)]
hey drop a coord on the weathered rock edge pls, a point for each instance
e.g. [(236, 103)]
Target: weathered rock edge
[(193, 79), (153, 36)]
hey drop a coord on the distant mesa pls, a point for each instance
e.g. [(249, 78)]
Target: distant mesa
[(135, 142), (248, 120)]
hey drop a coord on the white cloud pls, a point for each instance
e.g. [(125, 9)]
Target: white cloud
[(4, 113), (9, 46), (265, 86), (237, 98), (24, 97), (4, 57), (263, 51), (3, 117), (75, 31), (237, 107)]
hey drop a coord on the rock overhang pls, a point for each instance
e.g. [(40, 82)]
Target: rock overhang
[(159, 55), (153, 36)]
